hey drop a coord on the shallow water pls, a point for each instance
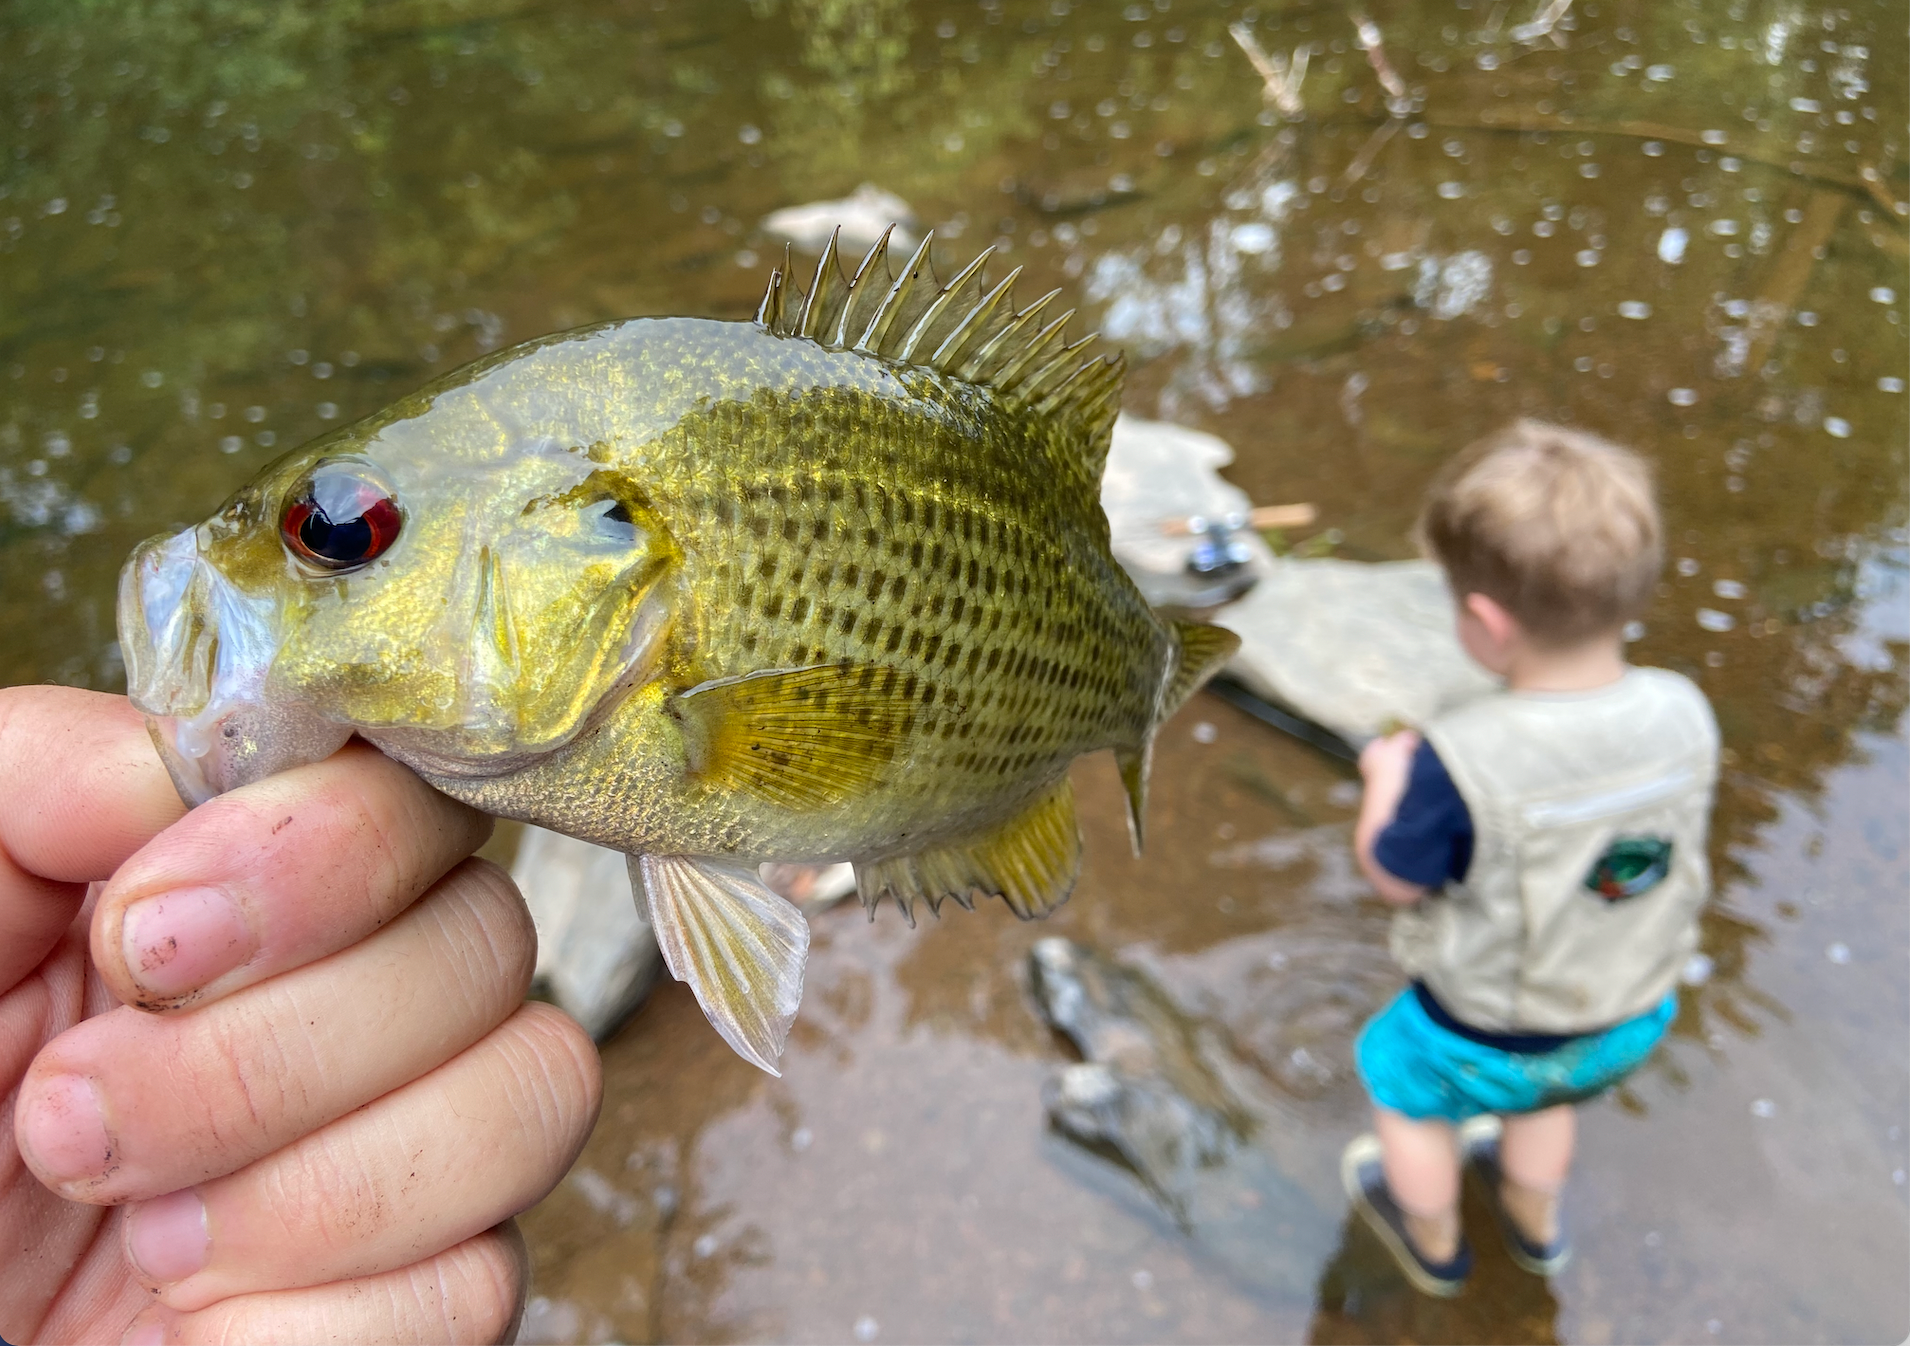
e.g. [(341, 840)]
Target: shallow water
[(223, 228)]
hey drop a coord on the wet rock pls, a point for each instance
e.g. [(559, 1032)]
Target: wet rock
[(862, 216), (596, 954), (1359, 648), (813, 888), (1160, 475)]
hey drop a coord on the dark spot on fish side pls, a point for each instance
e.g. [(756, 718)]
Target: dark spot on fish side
[(282, 824)]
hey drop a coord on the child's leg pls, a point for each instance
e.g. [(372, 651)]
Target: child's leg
[(1535, 1154), (1422, 1171)]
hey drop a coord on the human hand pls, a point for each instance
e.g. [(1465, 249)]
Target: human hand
[(1389, 757), (333, 1099)]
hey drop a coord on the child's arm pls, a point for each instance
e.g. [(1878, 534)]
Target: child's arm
[(1384, 764)]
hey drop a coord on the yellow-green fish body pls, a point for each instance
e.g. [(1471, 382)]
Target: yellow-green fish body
[(831, 585)]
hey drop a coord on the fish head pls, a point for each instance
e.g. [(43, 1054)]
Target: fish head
[(465, 595)]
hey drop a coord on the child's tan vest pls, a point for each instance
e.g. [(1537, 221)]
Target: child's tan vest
[(1570, 793)]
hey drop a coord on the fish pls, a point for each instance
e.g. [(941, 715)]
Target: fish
[(831, 584)]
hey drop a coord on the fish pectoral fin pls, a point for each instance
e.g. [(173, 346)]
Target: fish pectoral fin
[(1203, 649), (802, 738), (740, 947), (1030, 862)]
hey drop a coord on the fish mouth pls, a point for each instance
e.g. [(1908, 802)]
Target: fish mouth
[(197, 650)]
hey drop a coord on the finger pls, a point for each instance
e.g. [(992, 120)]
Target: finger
[(130, 1105), (473, 1292), (481, 1138), (275, 875), (84, 790)]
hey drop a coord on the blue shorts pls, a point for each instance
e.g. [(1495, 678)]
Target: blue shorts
[(1414, 1066)]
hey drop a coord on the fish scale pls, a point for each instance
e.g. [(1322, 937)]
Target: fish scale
[(831, 585)]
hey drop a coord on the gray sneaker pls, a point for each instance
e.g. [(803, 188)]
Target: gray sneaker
[(1365, 1182), (1479, 1148)]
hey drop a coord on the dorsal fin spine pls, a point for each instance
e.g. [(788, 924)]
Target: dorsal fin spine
[(950, 293), (909, 320), (976, 366), (1009, 376), (877, 331), (826, 270), (973, 323), (1064, 362), (878, 258)]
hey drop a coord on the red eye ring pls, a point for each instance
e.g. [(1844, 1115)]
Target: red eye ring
[(343, 517)]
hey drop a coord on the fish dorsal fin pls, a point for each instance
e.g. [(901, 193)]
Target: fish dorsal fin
[(740, 947), (1202, 650), (1030, 862), (965, 329)]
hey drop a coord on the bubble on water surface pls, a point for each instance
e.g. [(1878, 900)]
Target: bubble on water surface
[(1838, 953), (1837, 427), (1671, 245), (1889, 383), (1205, 732), (1697, 970), (1682, 397), (1634, 308), (1728, 589), (1763, 1107), (1713, 620), (705, 1245), (866, 1328)]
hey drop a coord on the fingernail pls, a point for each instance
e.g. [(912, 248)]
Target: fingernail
[(177, 942), (166, 1237), (146, 1330), (63, 1129)]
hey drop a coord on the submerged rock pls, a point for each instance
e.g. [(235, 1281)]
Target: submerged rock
[(1164, 1095), (862, 216), (1143, 1096)]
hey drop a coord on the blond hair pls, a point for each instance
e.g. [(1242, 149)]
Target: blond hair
[(1557, 526)]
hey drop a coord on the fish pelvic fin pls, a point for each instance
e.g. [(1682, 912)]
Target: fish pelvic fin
[(1198, 655), (741, 948), (1030, 861), (800, 738), (965, 329)]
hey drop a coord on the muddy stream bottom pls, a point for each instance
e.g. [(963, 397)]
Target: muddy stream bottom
[(902, 1182)]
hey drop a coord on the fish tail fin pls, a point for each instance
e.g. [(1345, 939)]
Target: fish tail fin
[(1030, 861)]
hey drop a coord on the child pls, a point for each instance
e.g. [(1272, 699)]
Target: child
[(1546, 844)]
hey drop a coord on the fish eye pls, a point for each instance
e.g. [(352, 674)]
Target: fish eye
[(341, 518)]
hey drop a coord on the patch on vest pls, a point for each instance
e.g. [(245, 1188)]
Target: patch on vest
[(1630, 866)]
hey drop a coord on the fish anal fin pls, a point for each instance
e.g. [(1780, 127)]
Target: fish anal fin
[(800, 738), (1030, 861), (740, 947), (1203, 649)]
